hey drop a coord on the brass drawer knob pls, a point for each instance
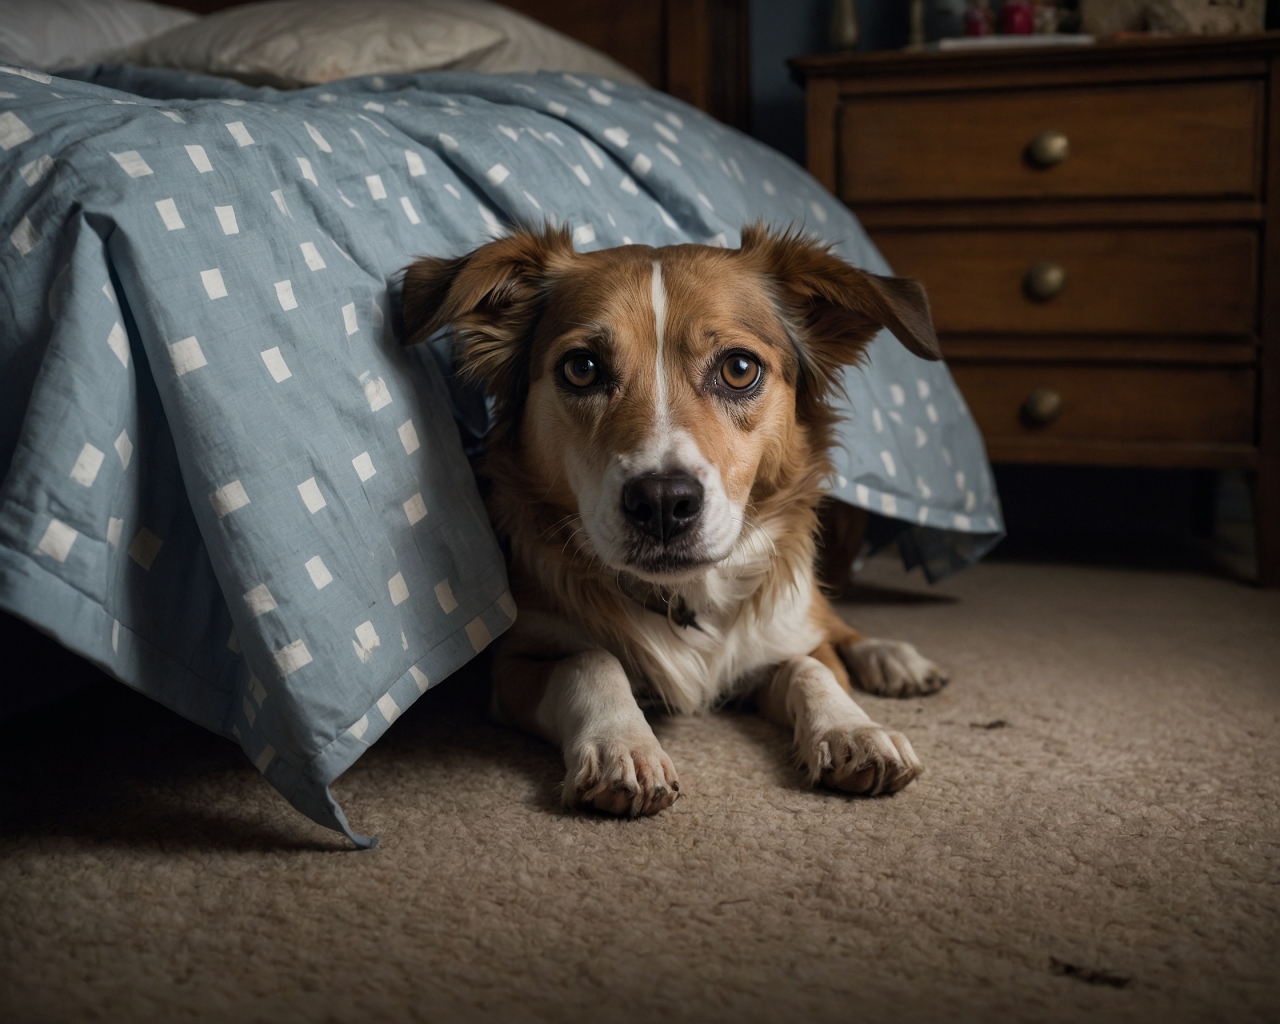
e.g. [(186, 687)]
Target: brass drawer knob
[(1043, 406), (1049, 148), (1044, 280)]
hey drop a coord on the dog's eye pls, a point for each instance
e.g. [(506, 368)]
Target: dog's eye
[(580, 370), (739, 371)]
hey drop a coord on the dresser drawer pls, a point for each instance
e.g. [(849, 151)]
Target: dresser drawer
[(1200, 139), (1110, 403), (1118, 280)]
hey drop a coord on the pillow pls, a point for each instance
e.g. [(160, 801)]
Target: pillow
[(292, 43), (56, 34), (531, 46)]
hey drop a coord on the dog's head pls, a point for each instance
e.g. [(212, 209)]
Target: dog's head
[(660, 394)]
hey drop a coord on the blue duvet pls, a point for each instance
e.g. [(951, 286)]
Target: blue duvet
[(221, 478)]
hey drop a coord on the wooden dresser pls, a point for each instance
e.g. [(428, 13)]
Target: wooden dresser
[(1099, 232)]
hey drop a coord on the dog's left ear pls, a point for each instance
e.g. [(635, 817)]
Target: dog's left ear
[(835, 308), (491, 297)]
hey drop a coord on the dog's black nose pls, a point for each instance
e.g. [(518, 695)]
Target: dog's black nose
[(663, 505)]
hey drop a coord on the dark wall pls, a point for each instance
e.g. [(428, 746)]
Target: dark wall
[(788, 28)]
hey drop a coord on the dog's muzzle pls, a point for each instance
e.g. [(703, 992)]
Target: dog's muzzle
[(662, 506)]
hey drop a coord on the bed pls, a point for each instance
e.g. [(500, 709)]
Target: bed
[(226, 483)]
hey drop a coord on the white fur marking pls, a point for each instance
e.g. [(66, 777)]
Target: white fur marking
[(613, 758), (658, 295)]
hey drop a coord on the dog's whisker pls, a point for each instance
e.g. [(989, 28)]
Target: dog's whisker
[(560, 523), (569, 540)]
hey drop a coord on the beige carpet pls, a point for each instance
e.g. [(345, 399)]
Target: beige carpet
[(1097, 839)]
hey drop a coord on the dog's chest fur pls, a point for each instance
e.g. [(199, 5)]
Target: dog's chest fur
[(752, 612), (694, 667)]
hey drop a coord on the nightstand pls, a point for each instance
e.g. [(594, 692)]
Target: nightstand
[(1098, 228)]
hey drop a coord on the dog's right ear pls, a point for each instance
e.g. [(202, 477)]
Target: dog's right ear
[(491, 297)]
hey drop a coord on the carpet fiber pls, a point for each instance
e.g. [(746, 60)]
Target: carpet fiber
[(1097, 837)]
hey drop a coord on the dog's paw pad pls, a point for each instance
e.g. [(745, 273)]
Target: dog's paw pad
[(891, 668), (864, 759), (626, 779)]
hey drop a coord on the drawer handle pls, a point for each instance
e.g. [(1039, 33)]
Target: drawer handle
[(1044, 280), (1049, 148), (1042, 406)]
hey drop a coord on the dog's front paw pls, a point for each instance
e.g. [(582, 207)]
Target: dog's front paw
[(863, 759), (620, 777), (891, 668)]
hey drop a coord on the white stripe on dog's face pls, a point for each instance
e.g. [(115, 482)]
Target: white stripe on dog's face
[(658, 297)]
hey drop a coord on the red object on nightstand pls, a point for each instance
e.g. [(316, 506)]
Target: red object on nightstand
[(1017, 18)]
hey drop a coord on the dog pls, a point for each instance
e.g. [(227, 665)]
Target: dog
[(662, 422)]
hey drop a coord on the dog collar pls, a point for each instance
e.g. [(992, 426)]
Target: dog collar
[(658, 600)]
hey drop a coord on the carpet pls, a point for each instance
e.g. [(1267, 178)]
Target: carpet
[(1096, 837)]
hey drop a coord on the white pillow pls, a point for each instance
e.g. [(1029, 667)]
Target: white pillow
[(291, 43), (56, 34), (530, 46)]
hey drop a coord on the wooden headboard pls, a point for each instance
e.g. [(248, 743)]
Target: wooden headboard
[(696, 50)]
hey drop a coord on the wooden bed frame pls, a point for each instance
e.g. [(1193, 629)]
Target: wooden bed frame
[(696, 50)]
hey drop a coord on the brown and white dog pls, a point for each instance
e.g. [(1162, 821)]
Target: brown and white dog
[(663, 421)]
